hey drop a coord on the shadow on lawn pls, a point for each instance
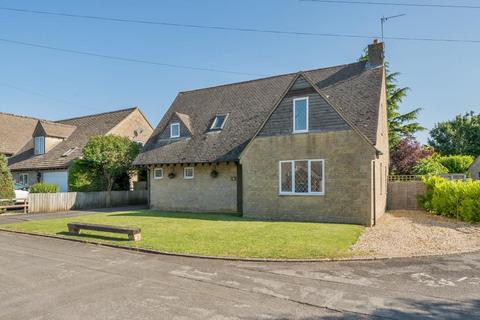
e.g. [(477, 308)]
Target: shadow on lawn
[(92, 236), (183, 215)]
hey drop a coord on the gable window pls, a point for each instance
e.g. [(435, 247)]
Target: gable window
[(218, 122), (300, 115), (157, 173), (302, 177), (188, 173), (39, 145), (175, 130)]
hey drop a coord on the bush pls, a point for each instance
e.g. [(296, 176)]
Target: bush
[(455, 199), (456, 164), (429, 166), (83, 178), (6, 180), (44, 188)]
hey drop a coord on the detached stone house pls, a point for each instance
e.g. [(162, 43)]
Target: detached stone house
[(52, 146), (15, 132), (306, 146)]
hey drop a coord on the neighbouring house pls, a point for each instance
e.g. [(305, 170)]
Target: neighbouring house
[(53, 145), (15, 132), (306, 146), (474, 169)]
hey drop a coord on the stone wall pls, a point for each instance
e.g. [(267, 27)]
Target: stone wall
[(203, 193), (348, 178), (133, 122), (402, 195)]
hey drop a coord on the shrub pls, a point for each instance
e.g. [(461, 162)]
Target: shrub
[(429, 166), (456, 199), (44, 188), (456, 164), (83, 178), (6, 180)]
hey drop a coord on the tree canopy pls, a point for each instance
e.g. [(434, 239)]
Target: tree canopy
[(110, 157), (406, 155), (458, 136)]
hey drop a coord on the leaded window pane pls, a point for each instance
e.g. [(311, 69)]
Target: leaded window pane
[(301, 176), (286, 176), (316, 176)]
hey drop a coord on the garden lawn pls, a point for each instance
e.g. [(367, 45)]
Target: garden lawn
[(211, 234)]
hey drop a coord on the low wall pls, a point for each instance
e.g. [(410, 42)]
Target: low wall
[(65, 201), (403, 194)]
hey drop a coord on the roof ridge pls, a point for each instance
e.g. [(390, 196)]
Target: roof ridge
[(21, 116), (339, 82), (270, 77), (96, 114)]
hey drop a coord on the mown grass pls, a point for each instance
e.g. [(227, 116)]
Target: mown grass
[(211, 234)]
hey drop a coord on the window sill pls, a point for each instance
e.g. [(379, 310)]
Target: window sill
[(301, 194)]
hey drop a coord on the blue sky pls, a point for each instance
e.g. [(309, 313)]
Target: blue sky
[(443, 77)]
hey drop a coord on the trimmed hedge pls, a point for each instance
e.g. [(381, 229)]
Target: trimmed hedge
[(44, 188), (455, 199)]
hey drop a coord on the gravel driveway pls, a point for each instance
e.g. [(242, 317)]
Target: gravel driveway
[(405, 233)]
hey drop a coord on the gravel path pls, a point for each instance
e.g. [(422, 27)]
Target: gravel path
[(409, 233)]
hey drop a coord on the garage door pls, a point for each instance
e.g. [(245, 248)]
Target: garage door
[(59, 178)]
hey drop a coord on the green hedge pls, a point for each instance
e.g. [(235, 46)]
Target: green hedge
[(44, 188), (436, 165), (455, 199)]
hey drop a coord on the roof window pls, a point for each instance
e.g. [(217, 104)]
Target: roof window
[(219, 122)]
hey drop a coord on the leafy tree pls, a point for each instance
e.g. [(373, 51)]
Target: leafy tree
[(111, 156), (406, 155), (399, 125), (458, 136), (6, 180)]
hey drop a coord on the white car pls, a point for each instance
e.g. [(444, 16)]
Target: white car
[(21, 192)]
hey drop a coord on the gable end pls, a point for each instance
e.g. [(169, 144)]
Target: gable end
[(322, 117)]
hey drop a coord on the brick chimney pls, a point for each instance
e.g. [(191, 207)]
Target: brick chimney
[(376, 54)]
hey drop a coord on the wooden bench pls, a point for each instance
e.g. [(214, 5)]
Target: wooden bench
[(133, 232), (17, 204)]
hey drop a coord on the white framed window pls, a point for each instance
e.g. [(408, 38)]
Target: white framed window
[(188, 173), (39, 145), (175, 130), (157, 173), (300, 115), (302, 177), (219, 122), (23, 179)]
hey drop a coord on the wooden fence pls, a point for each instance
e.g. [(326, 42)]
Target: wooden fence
[(402, 194), (65, 201)]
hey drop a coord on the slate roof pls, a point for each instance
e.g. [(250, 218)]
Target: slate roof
[(15, 131), (85, 127), (353, 89)]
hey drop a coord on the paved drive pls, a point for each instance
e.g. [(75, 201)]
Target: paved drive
[(43, 278)]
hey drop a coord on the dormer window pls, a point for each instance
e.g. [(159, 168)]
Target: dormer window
[(39, 145), (175, 130), (300, 115), (219, 122)]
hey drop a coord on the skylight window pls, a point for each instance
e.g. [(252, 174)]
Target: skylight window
[(219, 122)]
